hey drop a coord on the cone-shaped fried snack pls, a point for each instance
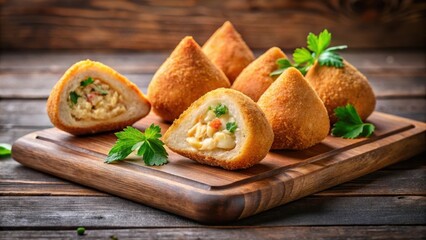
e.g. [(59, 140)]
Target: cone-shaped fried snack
[(296, 113), (91, 97), (228, 51), (254, 79), (339, 86), (184, 77), (223, 128)]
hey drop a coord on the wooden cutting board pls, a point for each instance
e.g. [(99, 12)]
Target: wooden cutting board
[(213, 195)]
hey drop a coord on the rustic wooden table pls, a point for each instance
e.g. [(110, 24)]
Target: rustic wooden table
[(389, 203)]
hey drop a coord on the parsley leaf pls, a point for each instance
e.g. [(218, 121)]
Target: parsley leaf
[(284, 63), (331, 59), (231, 126), (280, 70), (302, 55), (220, 110), (74, 97), (350, 124), (5, 150), (147, 145), (87, 82), (317, 44), (316, 50)]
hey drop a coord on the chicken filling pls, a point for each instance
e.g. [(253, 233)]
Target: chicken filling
[(95, 100), (214, 130)]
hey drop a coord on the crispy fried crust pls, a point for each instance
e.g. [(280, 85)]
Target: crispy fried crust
[(228, 51), (296, 113), (54, 101), (258, 133), (184, 77), (340, 86), (254, 79)]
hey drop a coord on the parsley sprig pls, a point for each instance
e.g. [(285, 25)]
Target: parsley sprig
[(74, 97), (147, 145), (349, 124), (304, 58), (231, 126), (220, 110), (87, 82)]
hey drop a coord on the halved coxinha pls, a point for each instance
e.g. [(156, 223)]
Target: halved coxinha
[(222, 128), (92, 97)]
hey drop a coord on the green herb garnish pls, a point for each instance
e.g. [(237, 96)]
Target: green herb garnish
[(87, 82), (220, 110), (5, 150), (317, 50), (349, 124), (283, 63), (80, 231), (231, 126), (74, 97), (147, 145)]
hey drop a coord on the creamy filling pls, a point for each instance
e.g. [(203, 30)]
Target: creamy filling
[(95, 100), (213, 130)]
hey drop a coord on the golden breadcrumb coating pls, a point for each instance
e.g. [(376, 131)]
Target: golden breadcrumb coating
[(296, 113), (340, 86), (255, 79), (184, 77), (228, 51)]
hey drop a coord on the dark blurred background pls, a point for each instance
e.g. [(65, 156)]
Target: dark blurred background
[(110, 25)]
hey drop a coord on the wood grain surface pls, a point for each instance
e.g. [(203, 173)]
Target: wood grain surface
[(215, 195), (316, 232), (391, 194), (148, 25)]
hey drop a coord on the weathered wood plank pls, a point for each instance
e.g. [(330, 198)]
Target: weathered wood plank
[(311, 232), (160, 25), (405, 178), (383, 62), (414, 163), (32, 113), (408, 108), (22, 181), (9, 135), (383, 182), (110, 212), (35, 188), (58, 62), (21, 113), (39, 85)]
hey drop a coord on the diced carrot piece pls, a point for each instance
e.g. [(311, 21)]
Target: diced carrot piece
[(216, 123)]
